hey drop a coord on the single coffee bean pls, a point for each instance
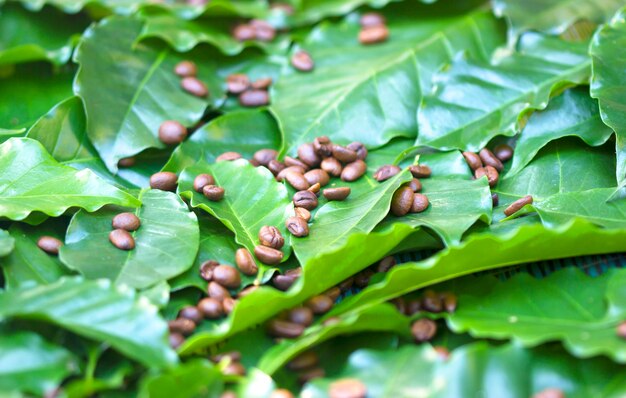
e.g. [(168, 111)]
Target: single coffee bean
[(232, 356), (268, 255), (359, 148), (362, 279), (305, 199), (489, 159), (517, 205), (247, 290), (229, 304), (303, 213), (549, 393), (346, 284), (373, 34), (213, 193), (201, 181), (371, 19), (297, 180), (343, 154), (302, 61), (420, 203), (283, 173), (211, 308), (301, 315), (473, 160), (340, 193), (263, 30), (126, 162), (254, 98), (353, 171), (317, 176), (206, 270), (285, 329), (420, 171), (323, 146), (237, 83), (413, 307), (183, 326), (275, 166), (245, 262), (415, 185), (186, 69), (217, 291), (192, 313), (49, 244), (431, 302), (307, 154), (503, 152), (315, 188), (307, 375), (270, 236), (228, 156), (305, 360), (333, 320), (262, 84), (347, 388), (164, 180), (333, 293), (283, 282), (127, 221), (244, 32), (443, 352), (423, 330), (402, 201), (490, 172), (332, 166), (176, 340), (122, 239), (386, 264), (495, 199), (234, 369), (227, 276), (449, 301), (194, 87), (265, 156), (386, 172), (172, 133), (621, 330), (289, 161), (320, 304), (297, 227), (281, 393)]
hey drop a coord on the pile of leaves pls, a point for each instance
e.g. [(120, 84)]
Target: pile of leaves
[(87, 83)]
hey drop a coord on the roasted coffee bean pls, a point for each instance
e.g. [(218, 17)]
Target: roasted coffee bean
[(323, 146), (420, 203), (317, 175), (386, 264), (517, 205), (353, 171), (201, 181), (49, 244), (332, 166), (303, 213), (227, 276), (297, 227), (244, 32), (443, 352), (431, 302), (262, 84), (245, 262), (127, 221), (473, 160), (285, 329), (281, 393), (550, 393), (211, 308), (254, 98), (268, 255), (503, 152), (270, 236), (489, 159), (305, 360), (126, 162), (263, 31), (183, 326), (371, 19), (247, 290), (402, 201), (217, 291), (275, 166), (164, 180), (228, 156), (373, 34), (176, 340), (122, 239), (213, 193), (343, 154), (315, 188), (302, 61), (192, 313), (283, 282), (386, 172), (289, 161), (310, 374), (415, 185), (301, 315), (347, 388), (305, 199), (490, 172), (281, 174), (194, 87), (172, 133), (234, 369), (229, 304), (333, 320), (265, 156), (362, 279), (320, 304), (206, 270), (237, 83), (346, 284), (495, 199), (186, 69), (340, 193), (308, 154), (621, 330), (232, 356), (449, 301), (228, 394), (333, 293), (423, 330), (359, 148), (413, 307), (420, 171)]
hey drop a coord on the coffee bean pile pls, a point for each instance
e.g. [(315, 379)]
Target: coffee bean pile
[(123, 224), (250, 94), (407, 198), (205, 184), (373, 29), (233, 363), (49, 244), (256, 29), (271, 242)]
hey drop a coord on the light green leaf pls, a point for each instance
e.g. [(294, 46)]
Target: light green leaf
[(7, 243), (196, 378)]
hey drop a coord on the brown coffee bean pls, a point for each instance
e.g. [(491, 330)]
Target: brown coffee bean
[(201, 181), (423, 330), (232, 356), (308, 154), (359, 148), (245, 262), (346, 284), (310, 374), (183, 326), (276, 167), (194, 87), (347, 388), (373, 34), (186, 69), (315, 188), (289, 161), (343, 154), (296, 180), (281, 174), (211, 308), (122, 239), (237, 83), (254, 98), (489, 159), (371, 19), (262, 84), (402, 201), (270, 236), (49, 244), (431, 302), (228, 156), (126, 162), (281, 393), (172, 133), (227, 276), (317, 176), (362, 279), (192, 313), (415, 185), (320, 304), (244, 32), (229, 304), (265, 156), (386, 172), (549, 393), (332, 166), (503, 152), (303, 213), (213, 192), (413, 307), (217, 291), (492, 175), (449, 301), (333, 320), (206, 269), (420, 203), (304, 360), (621, 330), (263, 31), (228, 394), (305, 199), (285, 329), (176, 340), (127, 221), (386, 264), (495, 199), (301, 315), (443, 352), (247, 290), (323, 146), (353, 171), (340, 193), (302, 61), (420, 171), (473, 160), (297, 227), (268, 255), (517, 205), (234, 369), (164, 180), (283, 282), (333, 293)]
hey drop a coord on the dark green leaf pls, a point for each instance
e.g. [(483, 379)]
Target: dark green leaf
[(196, 378)]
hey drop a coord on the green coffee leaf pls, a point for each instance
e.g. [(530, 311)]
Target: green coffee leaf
[(7, 243), (199, 377)]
